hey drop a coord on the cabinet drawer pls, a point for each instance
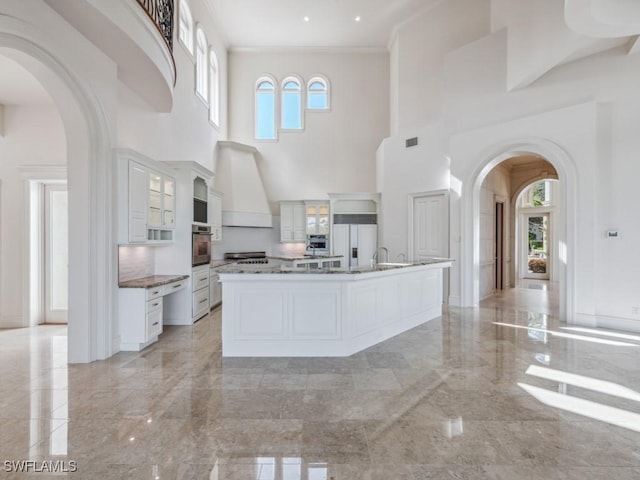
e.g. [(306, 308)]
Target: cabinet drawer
[(154, 292), (201, 302), (200, 279), (154, 317), (153, 305), (174, 287)]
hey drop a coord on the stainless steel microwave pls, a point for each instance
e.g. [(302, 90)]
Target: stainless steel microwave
[(317, 243)]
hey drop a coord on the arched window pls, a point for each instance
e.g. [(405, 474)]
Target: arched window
[(291, 104), (318, 94), (202, 83), (185, 26), (265, 109), (214, 88)]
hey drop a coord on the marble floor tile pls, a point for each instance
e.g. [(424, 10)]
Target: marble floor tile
[(494, 392)]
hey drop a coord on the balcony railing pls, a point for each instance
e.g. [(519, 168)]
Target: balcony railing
[(161, 12)]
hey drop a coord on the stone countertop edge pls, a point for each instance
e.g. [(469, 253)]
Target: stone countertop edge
[(151, 281), (247, 269), (304, 257)]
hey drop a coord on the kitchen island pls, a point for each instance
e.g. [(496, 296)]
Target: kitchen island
[(290, 312)]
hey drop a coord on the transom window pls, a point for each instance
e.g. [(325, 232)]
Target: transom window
[(291, 109), (281, 106), (539, 194), (318, 94), (185, 26), (202, 83), (265, 106)]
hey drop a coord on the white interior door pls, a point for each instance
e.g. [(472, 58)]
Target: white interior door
[(56, 258), (431, 230)]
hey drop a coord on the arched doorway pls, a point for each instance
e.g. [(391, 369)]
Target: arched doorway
[(566, 171), (91, 265)]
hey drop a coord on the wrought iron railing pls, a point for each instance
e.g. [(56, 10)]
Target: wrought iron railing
[(161, 12)]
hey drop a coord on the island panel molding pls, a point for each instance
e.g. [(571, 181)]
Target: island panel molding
[(326, 312)]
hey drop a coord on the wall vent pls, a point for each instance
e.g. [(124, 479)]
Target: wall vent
[(411, 142)]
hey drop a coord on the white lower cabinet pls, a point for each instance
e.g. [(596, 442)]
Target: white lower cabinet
[(154, 318), (140, 314), (215, 289), (200, 290)]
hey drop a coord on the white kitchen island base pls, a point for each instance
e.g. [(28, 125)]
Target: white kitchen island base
[(326, 314)]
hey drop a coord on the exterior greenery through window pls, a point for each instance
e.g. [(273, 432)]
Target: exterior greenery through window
[(202, 82), (265, 109), (291, 116), (185, 26)]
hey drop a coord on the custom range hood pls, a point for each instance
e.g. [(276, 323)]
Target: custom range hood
[(244, 201)]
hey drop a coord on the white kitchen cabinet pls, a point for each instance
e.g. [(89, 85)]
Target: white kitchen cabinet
[(140, 313), (215, 215), (200, 291), (317, 222), (293, 222), (215, 289), (137, 202), (150, 203)]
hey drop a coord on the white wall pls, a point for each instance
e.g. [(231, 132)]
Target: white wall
[(585, 111), (184, 134), (33, 135), (336, 152), (403, 171), (418, 54)]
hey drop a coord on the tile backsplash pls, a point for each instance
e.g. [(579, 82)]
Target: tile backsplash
[(135, 262)]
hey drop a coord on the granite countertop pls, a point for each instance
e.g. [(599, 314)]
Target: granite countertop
[(151, 281), (220, 263), (304, 257), (280, 269)]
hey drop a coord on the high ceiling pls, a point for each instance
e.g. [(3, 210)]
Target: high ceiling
[(330, 24)]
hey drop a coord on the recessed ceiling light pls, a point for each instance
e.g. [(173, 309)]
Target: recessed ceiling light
[(306, 19), (358, 18)]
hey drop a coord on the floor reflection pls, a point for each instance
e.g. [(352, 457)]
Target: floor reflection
[(503, 390)]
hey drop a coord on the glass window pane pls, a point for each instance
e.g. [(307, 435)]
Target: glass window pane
[(265, 122), (291, 86), (291, 117), (316, 86), (317, 100), (265, 86)]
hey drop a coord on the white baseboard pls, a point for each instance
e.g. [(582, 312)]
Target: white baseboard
[(617, 323), (604, 321), (12, 321)]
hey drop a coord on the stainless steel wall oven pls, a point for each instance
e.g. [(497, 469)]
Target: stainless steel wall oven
[(201, 245)]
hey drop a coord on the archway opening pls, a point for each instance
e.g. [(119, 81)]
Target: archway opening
[(564, 170), (86, 141)]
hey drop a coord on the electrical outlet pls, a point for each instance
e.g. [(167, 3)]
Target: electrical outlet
[(635, 310)]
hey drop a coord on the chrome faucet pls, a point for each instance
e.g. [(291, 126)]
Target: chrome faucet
[(374, 259)]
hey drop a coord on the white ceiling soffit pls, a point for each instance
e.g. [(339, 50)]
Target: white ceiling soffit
[(19, 87), (603, 18), (331, 23)]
